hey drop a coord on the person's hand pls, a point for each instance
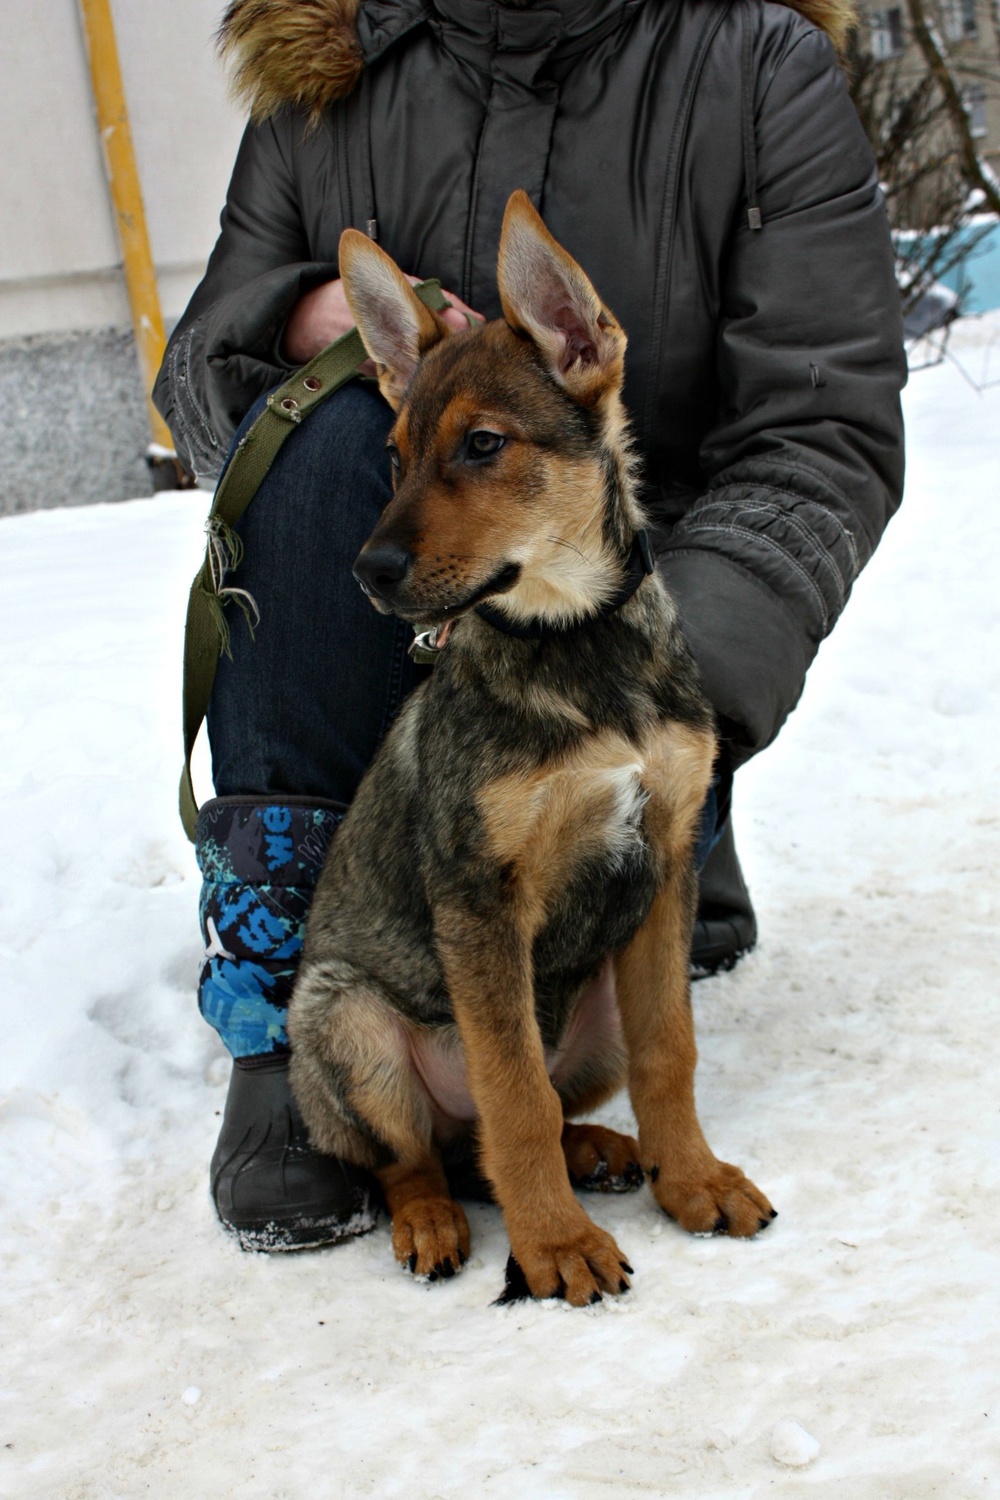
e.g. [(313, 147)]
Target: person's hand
[(323, 314)]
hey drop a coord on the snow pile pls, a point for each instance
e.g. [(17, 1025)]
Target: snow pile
[(849, 1066), (791, 1445)]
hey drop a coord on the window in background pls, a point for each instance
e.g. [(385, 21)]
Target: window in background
[(959, 19), (974, 99), (887, 33)]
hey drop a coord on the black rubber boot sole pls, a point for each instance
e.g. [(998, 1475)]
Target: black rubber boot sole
[(726, 928), (273, 1191)]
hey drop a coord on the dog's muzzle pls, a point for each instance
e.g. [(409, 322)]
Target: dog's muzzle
[(381, 569)]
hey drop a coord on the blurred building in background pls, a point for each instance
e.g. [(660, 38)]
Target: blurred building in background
[(925, 79), (968, 35), (73, 424)]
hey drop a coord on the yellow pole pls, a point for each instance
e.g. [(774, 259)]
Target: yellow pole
[(126, 195)]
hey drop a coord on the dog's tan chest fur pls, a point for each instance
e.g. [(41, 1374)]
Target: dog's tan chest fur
[(594, 802)]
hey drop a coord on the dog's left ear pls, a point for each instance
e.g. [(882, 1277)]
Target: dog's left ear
[(396, 328), (545, 294)]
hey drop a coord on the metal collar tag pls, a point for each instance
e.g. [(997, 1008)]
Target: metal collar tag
[(427, 644)]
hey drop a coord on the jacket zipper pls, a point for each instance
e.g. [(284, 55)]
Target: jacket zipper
[(470, 228), (668, 217)]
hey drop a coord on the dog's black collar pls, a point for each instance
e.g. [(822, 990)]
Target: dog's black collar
[(638, 565)]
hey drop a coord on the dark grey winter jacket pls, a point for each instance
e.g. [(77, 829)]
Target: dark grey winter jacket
[(764, 364)]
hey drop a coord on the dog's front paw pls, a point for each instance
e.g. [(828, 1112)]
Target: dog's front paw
[(719, 1199), (580, 1267), (430, 1236)]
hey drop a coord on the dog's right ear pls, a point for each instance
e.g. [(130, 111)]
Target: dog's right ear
[(395, 326)]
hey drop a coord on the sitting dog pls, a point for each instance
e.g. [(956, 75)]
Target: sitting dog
[(500, 937)]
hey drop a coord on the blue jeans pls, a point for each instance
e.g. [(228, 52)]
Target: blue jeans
[(300, 709)]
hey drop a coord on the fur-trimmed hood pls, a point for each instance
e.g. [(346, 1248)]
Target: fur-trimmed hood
[(309, 53)]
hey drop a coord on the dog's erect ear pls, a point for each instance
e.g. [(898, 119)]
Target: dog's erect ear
[(395, 326), (545, 294)]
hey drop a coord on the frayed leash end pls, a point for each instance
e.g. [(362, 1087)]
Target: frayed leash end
[(224, 553)]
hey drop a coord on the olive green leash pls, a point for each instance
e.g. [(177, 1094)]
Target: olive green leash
[(206, 631)]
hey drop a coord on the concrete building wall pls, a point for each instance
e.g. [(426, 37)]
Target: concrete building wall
[(966, 31), (72, 424)]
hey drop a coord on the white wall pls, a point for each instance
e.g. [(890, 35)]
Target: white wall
[(59, 256)]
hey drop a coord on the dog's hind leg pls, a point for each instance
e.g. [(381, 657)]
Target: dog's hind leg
[(430, 1233), (590, 1068), (353, 1075), (597, 1159), (601, 1160)]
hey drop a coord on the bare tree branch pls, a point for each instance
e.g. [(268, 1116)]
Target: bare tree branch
[(971, 166)]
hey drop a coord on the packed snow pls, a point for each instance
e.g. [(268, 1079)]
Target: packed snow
[(852, 1350)]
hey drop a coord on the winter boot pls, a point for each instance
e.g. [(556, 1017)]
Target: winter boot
[(260, 861), (726, 927)]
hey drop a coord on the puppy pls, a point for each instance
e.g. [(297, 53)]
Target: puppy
[(500, 937)]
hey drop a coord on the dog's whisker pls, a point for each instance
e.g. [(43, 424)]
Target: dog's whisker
[(559, 541)]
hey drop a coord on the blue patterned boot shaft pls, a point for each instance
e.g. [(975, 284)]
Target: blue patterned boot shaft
[(260, 862)]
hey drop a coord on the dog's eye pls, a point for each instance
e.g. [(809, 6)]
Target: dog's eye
[(483, 444), (393, 453)]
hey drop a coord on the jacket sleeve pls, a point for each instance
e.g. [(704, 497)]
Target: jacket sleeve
[(805, 460), (225, 351)]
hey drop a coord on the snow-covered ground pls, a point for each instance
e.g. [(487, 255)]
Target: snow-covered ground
[(850, 1065)]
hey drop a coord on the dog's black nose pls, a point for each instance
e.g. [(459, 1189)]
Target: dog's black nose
[(381, 569)]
